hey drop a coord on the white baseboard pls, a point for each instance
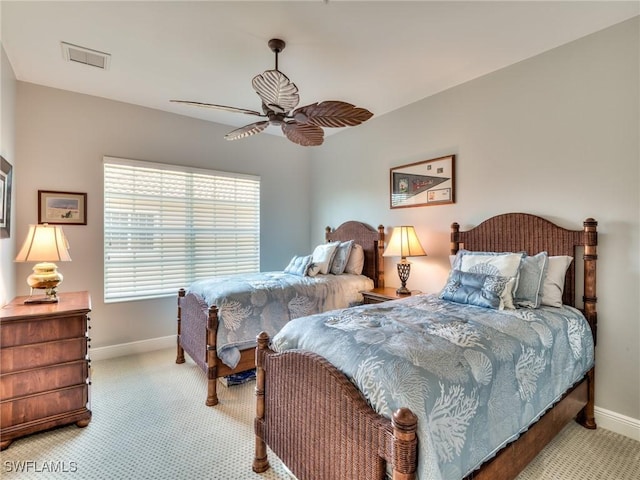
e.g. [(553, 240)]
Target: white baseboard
[(131, 348), (627, 426)]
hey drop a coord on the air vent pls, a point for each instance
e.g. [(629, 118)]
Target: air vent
[(86, 56)]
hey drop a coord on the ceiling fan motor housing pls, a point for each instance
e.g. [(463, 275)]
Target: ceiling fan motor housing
[(276, 45)]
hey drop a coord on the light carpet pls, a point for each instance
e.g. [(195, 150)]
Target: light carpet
[(150, 422)]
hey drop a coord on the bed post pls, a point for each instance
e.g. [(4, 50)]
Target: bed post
[(380, 259), (404, 447), (455, 238), (587, 416), (260, 461), (212, 357), (590, 256), (180, 350)]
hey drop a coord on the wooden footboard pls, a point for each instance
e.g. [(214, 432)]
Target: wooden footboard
[(197, 336), (316, 421), (331, 433)]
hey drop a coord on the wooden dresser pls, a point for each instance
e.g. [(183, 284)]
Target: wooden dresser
[(44, 365)]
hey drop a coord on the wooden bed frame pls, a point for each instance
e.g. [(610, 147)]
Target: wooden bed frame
[(316, 421), (198, 323)]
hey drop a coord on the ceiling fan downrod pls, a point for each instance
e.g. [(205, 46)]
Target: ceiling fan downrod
[(276, 45)]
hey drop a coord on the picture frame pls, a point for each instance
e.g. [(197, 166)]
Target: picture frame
[(424, 183), (6, 175), (62, 208)]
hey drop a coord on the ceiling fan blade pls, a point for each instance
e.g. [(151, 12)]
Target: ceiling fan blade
[(247, 130), (332, 113), (305, 134), (219, 107), (275, 89)]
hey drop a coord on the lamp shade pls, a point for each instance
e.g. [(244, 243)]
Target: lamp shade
[(404, 243), (44, 243)]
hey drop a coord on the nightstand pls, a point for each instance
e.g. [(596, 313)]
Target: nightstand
[(379, 295), (45, 365)]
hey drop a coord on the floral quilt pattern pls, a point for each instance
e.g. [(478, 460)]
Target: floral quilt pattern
[(250, 303), (475, 377)]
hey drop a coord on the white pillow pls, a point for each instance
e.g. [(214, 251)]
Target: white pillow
[(496, 264), (355, 264), (553, 285), (323, 256)]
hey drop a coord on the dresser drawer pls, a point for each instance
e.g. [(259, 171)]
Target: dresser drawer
[(47, 404), (42, 330), (38, 380), (27, 357)]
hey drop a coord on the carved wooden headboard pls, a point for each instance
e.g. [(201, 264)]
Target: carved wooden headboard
[(523, 232), (372, 242)]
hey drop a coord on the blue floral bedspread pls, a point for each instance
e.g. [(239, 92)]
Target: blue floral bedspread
[(250, 303), (475, 377)]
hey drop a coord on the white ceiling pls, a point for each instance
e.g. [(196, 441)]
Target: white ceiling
[(380, 55)]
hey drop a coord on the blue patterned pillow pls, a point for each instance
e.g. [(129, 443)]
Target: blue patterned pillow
[(532, 273), (341, 257), (477, 289), (504, 264), (299, 265)]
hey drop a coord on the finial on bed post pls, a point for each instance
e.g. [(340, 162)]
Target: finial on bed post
[(327, 231), (180, 350), (260, 460), (379, 263), (455, 238), (404, 447)]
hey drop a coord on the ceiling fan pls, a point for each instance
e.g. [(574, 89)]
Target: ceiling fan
[(279, 99)]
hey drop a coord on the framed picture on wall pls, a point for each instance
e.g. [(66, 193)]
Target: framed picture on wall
[(429, 182), (5, 198), (62, 208)]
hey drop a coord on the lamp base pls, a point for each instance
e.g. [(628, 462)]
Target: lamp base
[(403, 291), (45, 277), (50, 296), (404, 268), (32, 301)]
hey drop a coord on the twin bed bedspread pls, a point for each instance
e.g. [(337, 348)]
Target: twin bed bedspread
[(475, 377), (250, 303)]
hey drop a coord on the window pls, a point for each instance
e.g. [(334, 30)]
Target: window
[(166, 226)]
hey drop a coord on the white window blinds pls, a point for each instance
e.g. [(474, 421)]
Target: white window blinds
[(166, 226)]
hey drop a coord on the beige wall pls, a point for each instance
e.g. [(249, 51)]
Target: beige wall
[(61, 140), (557, 136), (7, 148)]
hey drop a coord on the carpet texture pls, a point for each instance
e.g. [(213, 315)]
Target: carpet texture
[(150, 422)]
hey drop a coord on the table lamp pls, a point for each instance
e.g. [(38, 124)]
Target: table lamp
[(45, 244), (404, 243)]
